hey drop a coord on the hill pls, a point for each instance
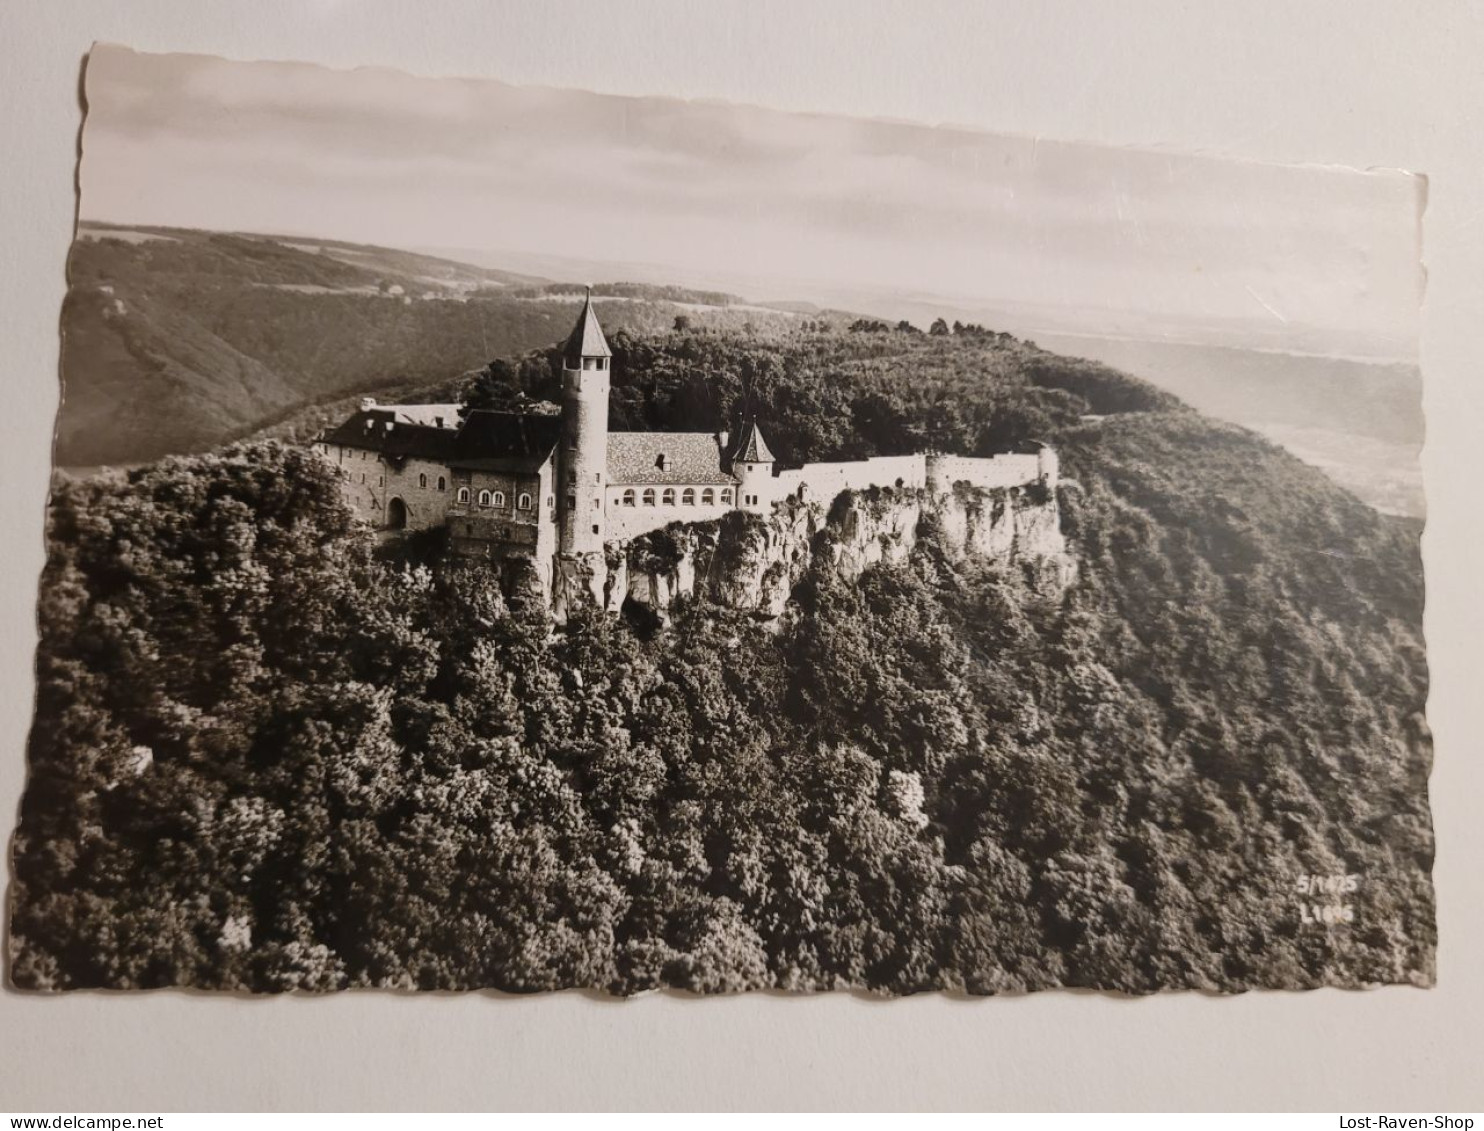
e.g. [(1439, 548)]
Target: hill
[(177, 341), (269, 755)]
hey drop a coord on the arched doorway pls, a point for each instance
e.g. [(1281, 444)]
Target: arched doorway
[(396, 514)]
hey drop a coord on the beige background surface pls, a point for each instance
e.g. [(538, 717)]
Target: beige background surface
[(1346, 82)]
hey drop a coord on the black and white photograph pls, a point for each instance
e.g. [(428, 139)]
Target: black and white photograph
[(513, 538)]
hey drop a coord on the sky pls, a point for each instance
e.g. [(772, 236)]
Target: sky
[(1079, 237)]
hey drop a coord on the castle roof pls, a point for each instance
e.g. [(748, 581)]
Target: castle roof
[(586, 339), (434, 415), (750, 447), (679, 458), (485, 441), (500, 441)]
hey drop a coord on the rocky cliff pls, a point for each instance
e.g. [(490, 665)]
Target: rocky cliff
[(753, 563)]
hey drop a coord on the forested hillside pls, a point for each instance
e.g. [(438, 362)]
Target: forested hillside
[(177, 340), (269, 755)]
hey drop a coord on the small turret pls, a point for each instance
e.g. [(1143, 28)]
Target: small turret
[(752, 463)]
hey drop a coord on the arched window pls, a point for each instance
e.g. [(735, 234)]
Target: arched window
[(649, 496), (422, 481), (484, 498), (726, 496), (708, 497), (688, 497), (499, 498), (669, 497), (525, 501), (463, 494), (628, 497), (571, 479), (442, 483)]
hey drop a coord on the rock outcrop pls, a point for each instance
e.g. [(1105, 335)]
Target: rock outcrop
[(753, 563)]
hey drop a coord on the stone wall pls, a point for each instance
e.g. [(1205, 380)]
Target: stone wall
[(1014, 469), (822, 482), (626, 523), (416, 484)]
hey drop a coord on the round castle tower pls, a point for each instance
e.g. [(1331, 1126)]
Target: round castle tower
[(582, 463)]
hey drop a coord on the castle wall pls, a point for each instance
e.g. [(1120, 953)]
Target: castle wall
[(369, 485), (822, 482), (362, 480), (625, 522), (1012, 469), (416, 484)]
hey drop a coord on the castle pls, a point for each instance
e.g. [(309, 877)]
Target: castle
[(553, 491)]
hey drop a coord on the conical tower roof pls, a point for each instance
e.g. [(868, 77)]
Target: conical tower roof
[(750, 447), (586, 339)]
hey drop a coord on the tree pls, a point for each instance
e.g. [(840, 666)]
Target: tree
[(938, 328)]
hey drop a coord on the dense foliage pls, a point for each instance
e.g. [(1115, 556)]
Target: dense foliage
[(268, 755)]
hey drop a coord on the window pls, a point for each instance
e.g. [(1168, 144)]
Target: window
[(442, 483), (499, 498), (597, 477), (726, 496), (597, 503), (525, 501), (628, 497), (550, 503), (484, 498), (571, 502), (649, 496), (708, 497), (669, 499), (595, 528), (688, 498), (381, 480), (463, 494), (363, 477), (571, 479), (422, 481)]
